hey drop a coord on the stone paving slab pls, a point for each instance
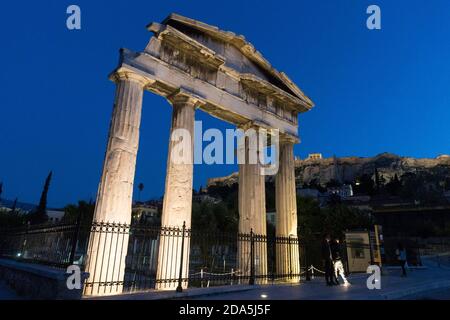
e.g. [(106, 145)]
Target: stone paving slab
[(392, 287), (6, 293), (419, 281), (164, 295)]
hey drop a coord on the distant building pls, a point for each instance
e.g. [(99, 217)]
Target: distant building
[(4, 209), (204, 197), (55, 216), (362, 203), (412, 220), (21, 207), (344, 191), (145, 213), (314, 156)]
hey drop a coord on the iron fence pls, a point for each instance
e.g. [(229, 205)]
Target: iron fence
[(212, 258), (45, 244)]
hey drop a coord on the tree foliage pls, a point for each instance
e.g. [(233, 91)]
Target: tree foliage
[(214, 217), (84, 210), (11, 219), (335, 218), (365, 185)]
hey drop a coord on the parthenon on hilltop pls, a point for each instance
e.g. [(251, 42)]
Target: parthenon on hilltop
[(196, 66)]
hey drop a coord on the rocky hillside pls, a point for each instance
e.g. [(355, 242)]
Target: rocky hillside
[(347, 169), (226, 181)]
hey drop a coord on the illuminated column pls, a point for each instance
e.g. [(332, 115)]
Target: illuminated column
[(252, 210), (108, 244), (287, 253), (177, 205)]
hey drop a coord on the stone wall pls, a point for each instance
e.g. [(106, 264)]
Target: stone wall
[(38, 282)]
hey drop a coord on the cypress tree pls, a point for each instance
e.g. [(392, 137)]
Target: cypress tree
[(40, 214)]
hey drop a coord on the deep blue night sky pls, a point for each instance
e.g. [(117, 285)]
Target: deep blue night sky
[(375, 91)]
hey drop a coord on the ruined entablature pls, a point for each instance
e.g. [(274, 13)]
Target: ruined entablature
[(233, 81)]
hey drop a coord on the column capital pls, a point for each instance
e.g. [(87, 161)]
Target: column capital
[(288, 139), (250, 125), (182, 97), (125, 74)]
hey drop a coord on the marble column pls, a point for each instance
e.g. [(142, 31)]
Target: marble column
[(252, 212), (287, 251), (177, 207), (108, 240)]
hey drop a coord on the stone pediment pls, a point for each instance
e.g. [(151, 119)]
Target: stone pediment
[(221, 70), (214, 49)]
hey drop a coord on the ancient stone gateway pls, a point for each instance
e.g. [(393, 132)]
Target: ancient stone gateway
[(195, 65)]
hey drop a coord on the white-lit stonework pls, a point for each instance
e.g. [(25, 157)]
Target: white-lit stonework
[(114, 198), (252, 212), (177, 206), (286, 212), (196, 66)]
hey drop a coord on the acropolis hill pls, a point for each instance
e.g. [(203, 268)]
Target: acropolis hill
[(349, 168)]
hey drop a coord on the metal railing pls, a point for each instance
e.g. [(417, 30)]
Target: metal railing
[(213, 258), (53, 245)]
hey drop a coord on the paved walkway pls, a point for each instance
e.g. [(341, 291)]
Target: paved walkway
[(419, 281), (441, 294), (393, 286), (432, 282), (6, 293)]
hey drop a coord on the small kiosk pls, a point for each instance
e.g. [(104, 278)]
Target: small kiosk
[(364, 248)]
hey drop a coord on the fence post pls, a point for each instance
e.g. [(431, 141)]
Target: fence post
[(274, 259), (308, 277), (24, 244), (347, 265), (75, 239), (201, 277), (180, 278), (290, 257), (252, 259)]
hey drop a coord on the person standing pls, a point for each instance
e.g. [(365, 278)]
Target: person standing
[(401, 258), (337, 262), (328, 260)]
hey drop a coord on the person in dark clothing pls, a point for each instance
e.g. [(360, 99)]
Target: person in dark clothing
[(401, 258), (338, 265), (328, 261)]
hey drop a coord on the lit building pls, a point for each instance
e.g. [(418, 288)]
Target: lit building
[(145, 213), (344, 191), (54, 216), (314, 156)]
